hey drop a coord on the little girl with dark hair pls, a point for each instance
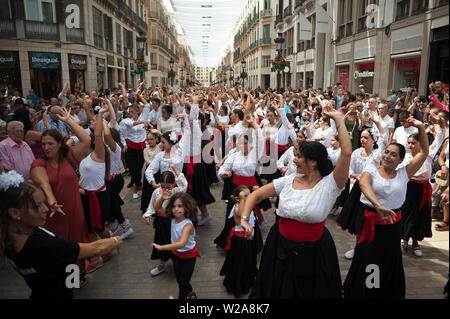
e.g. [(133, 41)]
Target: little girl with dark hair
[(157, 210), (182, 210)]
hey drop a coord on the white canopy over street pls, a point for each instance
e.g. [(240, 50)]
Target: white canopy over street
[(207, 25)]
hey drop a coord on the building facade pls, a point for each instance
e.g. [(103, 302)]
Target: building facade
[(89, 44), (253, 43), (165, 45), (404, 44)]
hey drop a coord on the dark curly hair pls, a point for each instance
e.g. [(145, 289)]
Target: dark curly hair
[(57, 136), (189, 204), (315, 151)]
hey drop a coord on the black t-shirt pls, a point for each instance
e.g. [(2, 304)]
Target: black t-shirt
[(42, 263)]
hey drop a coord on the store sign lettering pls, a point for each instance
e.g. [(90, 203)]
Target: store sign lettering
[(7, 60), (364, 74), (77, 62), (44, 61)]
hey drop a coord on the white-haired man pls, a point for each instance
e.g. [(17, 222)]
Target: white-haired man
[(15, 154)]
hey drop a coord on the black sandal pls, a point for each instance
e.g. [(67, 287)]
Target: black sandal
[(442, 226)]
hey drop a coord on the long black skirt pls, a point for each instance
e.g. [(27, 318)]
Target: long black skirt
[(200, 185), (383, 254), (162, 237), (340, 201), (239, 267), (147, 191), (298, 270), (416, 221), (352, 216)]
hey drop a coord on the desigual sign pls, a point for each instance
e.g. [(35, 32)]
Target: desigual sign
[(363, 74), (77, 62), (45, 61)]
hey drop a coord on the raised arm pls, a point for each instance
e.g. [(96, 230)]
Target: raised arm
[(81, 149), (340, 173)]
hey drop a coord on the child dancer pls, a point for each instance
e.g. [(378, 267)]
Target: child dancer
[(239, 267), (182, 209), (157, 209)]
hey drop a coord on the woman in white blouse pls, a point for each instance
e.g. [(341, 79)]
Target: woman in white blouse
[(416, 219), (167, 123), (373, 142), (384, 190), (135, 131), (299, 259), (241, 167)]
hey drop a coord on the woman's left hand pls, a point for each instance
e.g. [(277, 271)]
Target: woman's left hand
[(158, 247), (55, 208)]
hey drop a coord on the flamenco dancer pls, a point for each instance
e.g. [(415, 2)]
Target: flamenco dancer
[(416, 211), (384, 190), (373, 142), (299, 259)]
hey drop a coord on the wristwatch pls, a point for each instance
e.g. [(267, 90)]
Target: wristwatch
[(246, 218)]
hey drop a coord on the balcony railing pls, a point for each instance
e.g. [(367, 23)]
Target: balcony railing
[(287, 12), (265, 13), (41, 30), (7, 28), (130, 13), (165, 47), (75, 35)]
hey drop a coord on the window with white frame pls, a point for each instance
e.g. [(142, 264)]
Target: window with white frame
[(40, 10)]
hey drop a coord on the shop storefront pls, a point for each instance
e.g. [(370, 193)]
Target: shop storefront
[(10, 71), (343, 76), (364, 75), (45, 73), (77, 68), (100, 73), (406, 73)]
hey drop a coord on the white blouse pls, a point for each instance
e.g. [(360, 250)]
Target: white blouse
[(284, 132), (92, 174), (167, 126), (162, 164), (287, 160), (116, 158), (426, 170), (334, 155), (358, 162), (239, 165), (149, 154), (391, 193), (182, 185), (176, 230), (307, 205)]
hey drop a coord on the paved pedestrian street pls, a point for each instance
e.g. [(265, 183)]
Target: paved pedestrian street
[(127, 275)]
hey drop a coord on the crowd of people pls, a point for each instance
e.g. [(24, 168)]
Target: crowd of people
[(379, 163)]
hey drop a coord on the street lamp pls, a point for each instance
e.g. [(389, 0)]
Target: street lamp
[(243, 64), (140, 47), (172, 75), (279, 41), (232, 75)]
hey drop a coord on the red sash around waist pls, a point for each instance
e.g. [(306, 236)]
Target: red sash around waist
[(248, 181), (298, 231), (239, 233), (426, 193), (371, 219), (94, 209), (190, 165), (136, 146), (281, 147), (187, 254), (161, 215)]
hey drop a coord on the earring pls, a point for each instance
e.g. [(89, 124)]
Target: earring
[(18, 218)]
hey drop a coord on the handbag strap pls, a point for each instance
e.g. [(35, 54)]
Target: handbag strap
[(71, 164)]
